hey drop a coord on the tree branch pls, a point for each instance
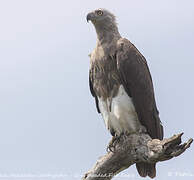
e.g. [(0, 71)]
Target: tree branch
[(136, 148)]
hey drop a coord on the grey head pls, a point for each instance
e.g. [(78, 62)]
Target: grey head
[(104, 22), (101, 16)]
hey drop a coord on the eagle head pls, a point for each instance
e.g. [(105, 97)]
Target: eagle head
[(101, 17)]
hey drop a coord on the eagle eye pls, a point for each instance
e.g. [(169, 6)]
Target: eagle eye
[(99, 12)]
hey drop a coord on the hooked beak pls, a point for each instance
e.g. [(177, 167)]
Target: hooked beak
[(90, 17)]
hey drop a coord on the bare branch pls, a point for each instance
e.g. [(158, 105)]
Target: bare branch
[(136, 148)]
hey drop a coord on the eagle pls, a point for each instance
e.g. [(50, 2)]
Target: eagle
[(121, 84)]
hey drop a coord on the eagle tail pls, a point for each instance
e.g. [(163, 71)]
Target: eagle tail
[(146, 169)]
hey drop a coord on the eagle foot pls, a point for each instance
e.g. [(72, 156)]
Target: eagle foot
[(112, 144), (114, 141)]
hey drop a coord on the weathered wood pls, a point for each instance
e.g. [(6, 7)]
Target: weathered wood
[(136, 148)]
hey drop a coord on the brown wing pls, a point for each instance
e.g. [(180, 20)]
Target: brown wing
[(92, 91), (136, 79)]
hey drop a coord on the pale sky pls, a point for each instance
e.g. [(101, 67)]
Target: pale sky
[(48, 120)]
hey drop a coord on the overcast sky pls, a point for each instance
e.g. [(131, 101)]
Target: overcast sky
[(48, 120)]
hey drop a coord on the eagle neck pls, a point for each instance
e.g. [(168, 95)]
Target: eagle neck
[(106, 35)]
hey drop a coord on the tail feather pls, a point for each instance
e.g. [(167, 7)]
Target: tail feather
[(146, 169)]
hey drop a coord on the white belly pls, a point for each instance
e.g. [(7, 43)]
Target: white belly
[(122, 118)]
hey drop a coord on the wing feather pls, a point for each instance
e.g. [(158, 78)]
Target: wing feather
[(136, 79), (92, 92)]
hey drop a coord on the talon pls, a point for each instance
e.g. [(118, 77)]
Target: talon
[(112, 144), (111, 147)]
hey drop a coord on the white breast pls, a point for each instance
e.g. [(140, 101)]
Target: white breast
[(122, 117)]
